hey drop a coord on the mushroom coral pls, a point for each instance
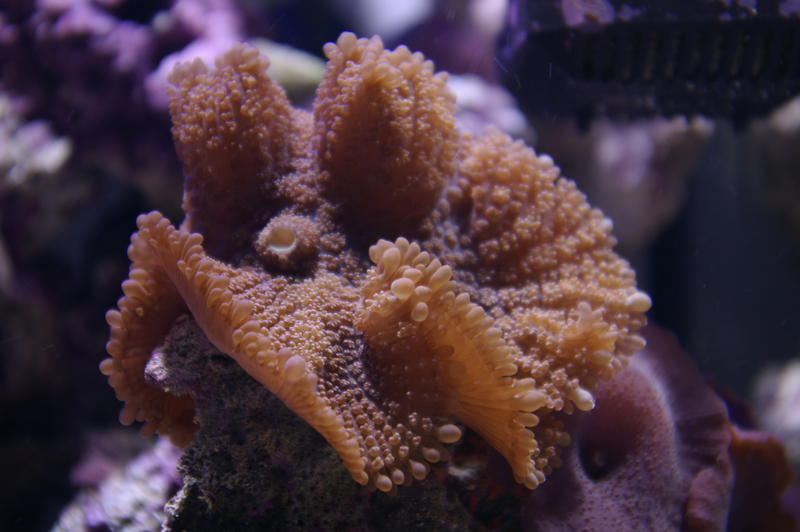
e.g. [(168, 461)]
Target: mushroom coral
[(383, 274)]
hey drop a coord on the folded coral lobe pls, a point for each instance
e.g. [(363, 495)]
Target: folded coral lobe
[(491, 297), (144, 316), (234, 132), (386, 134), (446, 355)]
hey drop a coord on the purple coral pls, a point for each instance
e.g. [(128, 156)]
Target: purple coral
[(129, 499), (659, 453)]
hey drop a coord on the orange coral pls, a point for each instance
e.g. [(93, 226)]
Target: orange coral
[(509, 304), (385, 134)]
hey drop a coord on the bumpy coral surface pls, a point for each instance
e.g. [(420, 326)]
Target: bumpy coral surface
[(389, 278)]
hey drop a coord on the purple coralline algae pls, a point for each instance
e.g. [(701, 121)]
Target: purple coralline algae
[(130, 499), (660, 453)]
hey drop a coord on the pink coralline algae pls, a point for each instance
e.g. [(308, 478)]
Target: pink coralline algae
[(659, 453)]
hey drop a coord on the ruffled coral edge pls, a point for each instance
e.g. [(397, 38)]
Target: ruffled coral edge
[(171, 270), (144, 316), (474, 360)]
